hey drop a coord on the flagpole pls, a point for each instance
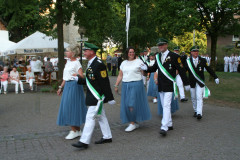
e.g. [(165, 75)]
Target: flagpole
[(127, 21), (127, 39)]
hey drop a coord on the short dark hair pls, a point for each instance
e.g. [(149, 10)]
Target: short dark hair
[(48, 59), (127, 50)]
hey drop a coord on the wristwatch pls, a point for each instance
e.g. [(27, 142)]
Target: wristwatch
[(60, 87)]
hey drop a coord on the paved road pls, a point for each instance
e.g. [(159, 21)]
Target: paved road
[(28, 130)]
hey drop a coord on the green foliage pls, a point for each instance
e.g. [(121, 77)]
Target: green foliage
[(185, 41), (21, 18), (55, 85), (45, 90)]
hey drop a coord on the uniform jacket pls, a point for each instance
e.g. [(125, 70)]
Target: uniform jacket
[(202, 63), (98, 77), (171, 64)]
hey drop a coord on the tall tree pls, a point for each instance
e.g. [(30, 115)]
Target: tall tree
[(21, 18), (59, 18), (217, 16), (58, 13)]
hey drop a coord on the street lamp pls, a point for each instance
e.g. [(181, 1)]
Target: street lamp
[(81, 31)]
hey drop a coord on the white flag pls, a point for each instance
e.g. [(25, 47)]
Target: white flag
[(127, 17)]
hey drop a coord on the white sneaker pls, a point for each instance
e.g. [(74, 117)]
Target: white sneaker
[(22, 92), (155, 100), (5, 92), (73, 134), (131, 127)]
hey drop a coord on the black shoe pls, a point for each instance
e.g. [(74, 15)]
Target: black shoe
[(184, 100), (195, 114), (163, 132), (199, 116), (80, 145), (170, 128), (102, 141)]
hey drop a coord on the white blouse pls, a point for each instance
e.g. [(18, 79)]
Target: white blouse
[(131, 70), (151, 63), (71, 67)]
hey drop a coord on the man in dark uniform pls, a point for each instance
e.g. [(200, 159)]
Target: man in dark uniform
[(184, 57), (195, 65), (167, 64), (98, 92), (179, 80), (145, 58)]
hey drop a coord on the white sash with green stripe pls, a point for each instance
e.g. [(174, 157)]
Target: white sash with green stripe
[(100, 98), (206, 91), (141, 57), (169, 76)]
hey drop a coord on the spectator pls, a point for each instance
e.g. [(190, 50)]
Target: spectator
[(22, 63), (15, 60), (114, 65), (119, 61), (20, 60), (1, 63), (30, 77), (45, 58), (29, 60), (16, 65), (36, 65), (14, 79), (4, 79), (109, 61), (48, 66)]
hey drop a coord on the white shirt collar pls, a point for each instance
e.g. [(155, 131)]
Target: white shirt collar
[(91, 60), (195, 59), (164, 55), (166, 52)]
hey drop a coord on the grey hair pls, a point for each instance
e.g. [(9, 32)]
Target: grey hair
[(28, 66), (5, 67), (75, 49)]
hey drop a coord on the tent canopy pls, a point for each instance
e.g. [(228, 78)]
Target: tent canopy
[(4, 44), (36, 43)]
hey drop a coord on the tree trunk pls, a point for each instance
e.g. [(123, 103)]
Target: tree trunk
[(214, 38), (59, 8)]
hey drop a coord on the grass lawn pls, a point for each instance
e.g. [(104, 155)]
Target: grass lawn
[(227, 93)]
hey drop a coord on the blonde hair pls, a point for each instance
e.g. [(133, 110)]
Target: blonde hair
[(28, 66), (75, 49)]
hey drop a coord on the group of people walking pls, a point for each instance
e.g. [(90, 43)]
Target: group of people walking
[(161, 70), (231, 63)]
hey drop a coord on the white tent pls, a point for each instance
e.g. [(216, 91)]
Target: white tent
[(4, 44), (36, 43)]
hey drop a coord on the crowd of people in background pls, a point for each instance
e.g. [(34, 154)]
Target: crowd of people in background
[(231, 63), (113, 63), (11, 72)]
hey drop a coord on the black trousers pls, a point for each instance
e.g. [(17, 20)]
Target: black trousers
[(114, 69), (109, 65)]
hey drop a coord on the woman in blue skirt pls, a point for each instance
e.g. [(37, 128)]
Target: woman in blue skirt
[(134, 103), (174, 103), (152, 89), (72, 111)]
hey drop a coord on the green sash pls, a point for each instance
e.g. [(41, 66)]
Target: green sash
[(168, 75), (97, 96), (141, 57), (206, 91)]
